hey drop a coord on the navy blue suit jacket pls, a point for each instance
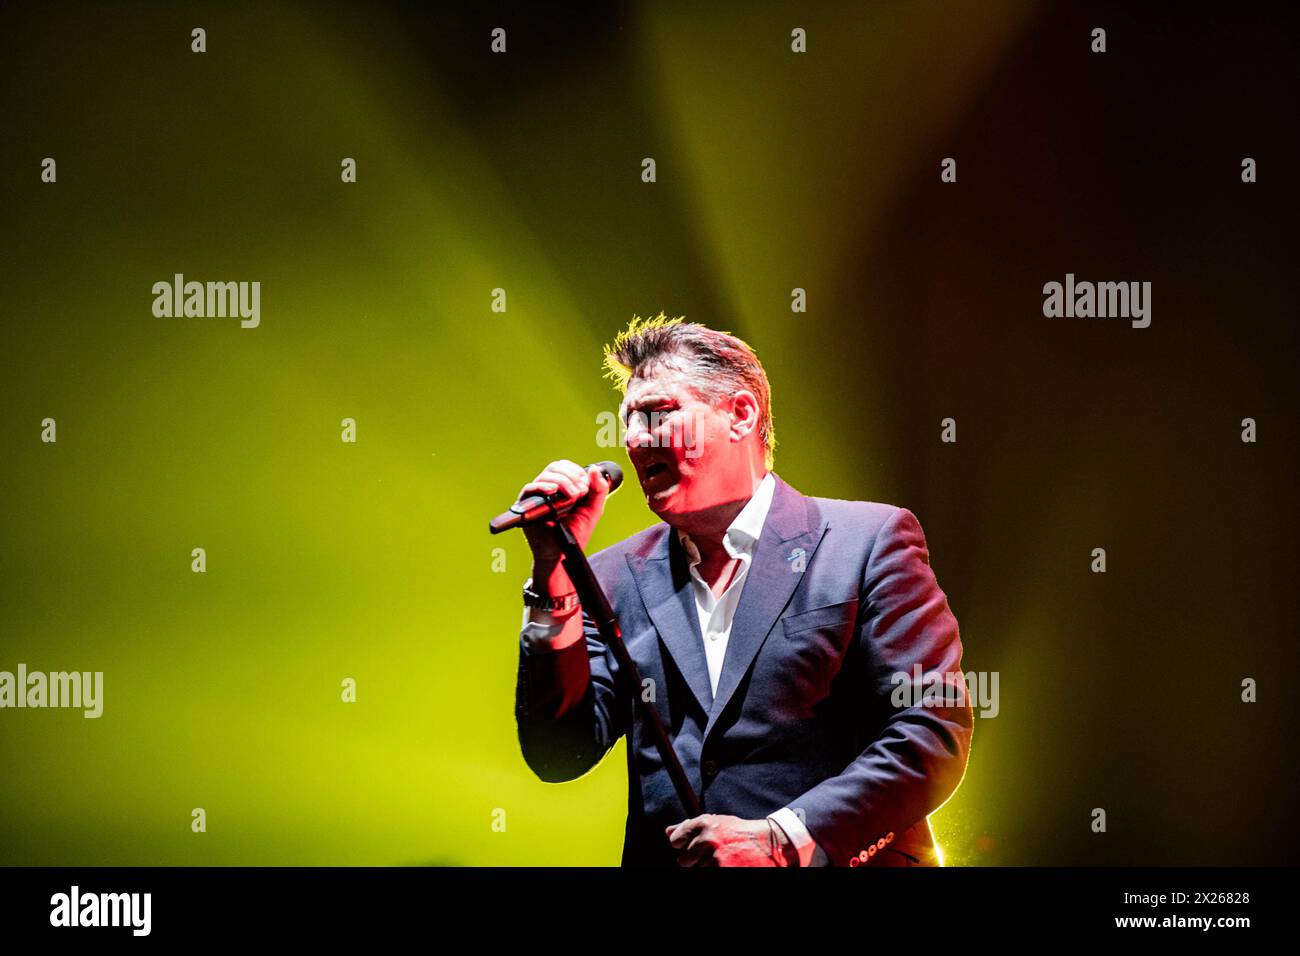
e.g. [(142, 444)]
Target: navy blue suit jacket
[(838, 599)]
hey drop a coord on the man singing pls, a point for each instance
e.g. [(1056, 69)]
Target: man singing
[(777, 634)]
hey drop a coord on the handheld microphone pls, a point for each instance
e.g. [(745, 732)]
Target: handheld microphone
[(537, 508)]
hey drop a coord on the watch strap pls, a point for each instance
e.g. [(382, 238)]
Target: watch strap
[(549, 602)]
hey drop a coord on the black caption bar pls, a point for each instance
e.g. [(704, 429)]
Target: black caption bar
[(536, 907)]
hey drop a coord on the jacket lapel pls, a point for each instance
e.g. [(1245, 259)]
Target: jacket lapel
[(664, 582), (662, 577), (769, 583)]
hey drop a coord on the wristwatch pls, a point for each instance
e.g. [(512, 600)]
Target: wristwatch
[(547, 602)]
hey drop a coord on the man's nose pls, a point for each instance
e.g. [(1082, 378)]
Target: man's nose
[(637, 435)]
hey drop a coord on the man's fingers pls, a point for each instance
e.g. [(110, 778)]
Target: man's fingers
[(572, 487), (552, 479), (696, 836), (574, 478), (538, 487), (681, 832), (678, 833), (569, 470), (699, 850), (598, 483)]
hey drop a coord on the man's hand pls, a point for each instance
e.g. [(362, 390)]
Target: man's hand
[(715, 840), (590, 488)]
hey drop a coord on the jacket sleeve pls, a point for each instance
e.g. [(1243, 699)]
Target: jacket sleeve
[(919, 756), (567, 710)]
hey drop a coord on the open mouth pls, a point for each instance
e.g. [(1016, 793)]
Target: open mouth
[(654, 469)]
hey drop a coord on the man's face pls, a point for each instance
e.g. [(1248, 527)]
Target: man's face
[(678, 444)]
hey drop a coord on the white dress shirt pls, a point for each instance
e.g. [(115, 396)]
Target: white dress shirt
[(716, 615)]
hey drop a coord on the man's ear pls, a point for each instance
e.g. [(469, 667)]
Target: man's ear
[(744, 413)]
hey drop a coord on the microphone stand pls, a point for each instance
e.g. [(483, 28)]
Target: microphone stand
[(596, 605)]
